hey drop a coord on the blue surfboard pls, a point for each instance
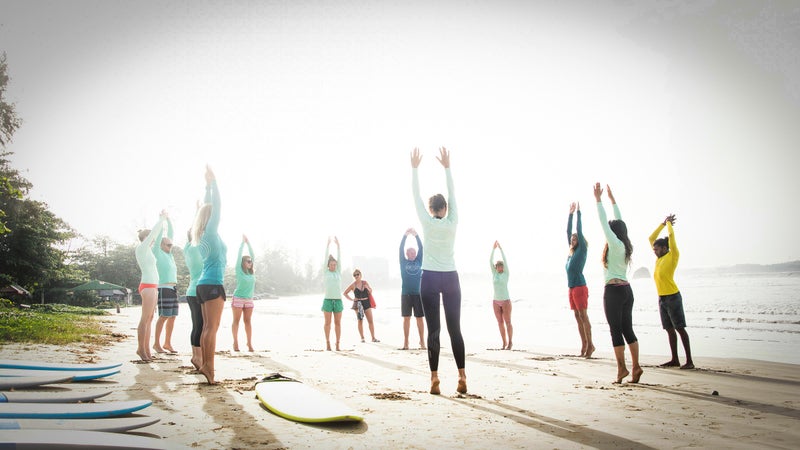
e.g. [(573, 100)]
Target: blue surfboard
[(44, 365), (50, 397), (70, 410), (83, 440), (26, 382), (77, 375)]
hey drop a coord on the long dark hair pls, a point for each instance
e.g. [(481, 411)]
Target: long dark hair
[(621, 231)]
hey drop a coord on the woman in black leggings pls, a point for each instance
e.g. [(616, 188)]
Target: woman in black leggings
[(439, 275)]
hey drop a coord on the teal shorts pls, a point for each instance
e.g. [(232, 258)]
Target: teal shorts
[(333, 305)]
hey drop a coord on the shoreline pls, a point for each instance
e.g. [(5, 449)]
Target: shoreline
[(527, 397)]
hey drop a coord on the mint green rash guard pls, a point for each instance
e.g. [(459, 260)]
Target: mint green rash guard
[(194, 262), (211, 246), (245, 282), (500, 280), (439, 234), (333, 280), (165, 262), (617, 267), (145, 258)]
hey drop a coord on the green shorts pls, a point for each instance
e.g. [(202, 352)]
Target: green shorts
[(333, 305)]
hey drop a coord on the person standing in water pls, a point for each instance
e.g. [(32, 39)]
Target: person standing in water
[(439, 275), (411, 275), (361, 290), (578, 291), (670, 302), (210, 289), (618, 295), (332, 306), (502, 300), (148, 286), (242, 303), (167, 291), (194, 262)]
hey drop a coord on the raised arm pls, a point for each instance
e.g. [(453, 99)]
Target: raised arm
[(673, 245), (403, 248), (601, 214), (452, 208), (212, 192), (419, 246), (419, 206), (579, 227), (155, 231), (569, 223), (170, 232)]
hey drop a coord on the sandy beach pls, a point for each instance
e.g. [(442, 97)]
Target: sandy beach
[(531, 397)]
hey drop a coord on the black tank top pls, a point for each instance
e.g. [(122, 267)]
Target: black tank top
[(361, 294)]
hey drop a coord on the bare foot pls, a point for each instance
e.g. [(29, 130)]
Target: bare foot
[(509, 346), (687, 366), (169, 348), (404, 348), (636, 375), (375, 340), (589, 352), (671, 363), (435, 387), (462, 386), (250, 348), (621, 375), (143, 356), (422, 346), (337, 347), (196, 363), (328, 345), (208, 374), (236, 347), (158, 348)]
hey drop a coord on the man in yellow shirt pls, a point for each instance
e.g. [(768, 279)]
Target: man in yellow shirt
[(670, 302)]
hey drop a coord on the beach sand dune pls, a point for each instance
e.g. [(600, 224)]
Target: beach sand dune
[(531, 397)]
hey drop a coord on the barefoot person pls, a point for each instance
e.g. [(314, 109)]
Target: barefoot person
[(242, 303), (210, 291), (578, 292), (502, 300), (670, 302), (167, 291), (332, 306), (618, 295), (361, 304), (148, 286), (411, 274), (439, 275), (194, 262)]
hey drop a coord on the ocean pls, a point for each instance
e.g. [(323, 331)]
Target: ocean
[(729, 315)]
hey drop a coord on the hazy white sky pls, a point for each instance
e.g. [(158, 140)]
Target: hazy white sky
[(307, 111)]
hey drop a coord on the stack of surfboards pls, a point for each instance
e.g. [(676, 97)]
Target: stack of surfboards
[(64, 419)]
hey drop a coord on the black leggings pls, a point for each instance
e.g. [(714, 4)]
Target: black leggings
[(197, 320), (618, 305), (448, 285)]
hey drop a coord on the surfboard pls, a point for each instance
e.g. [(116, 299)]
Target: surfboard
[(50, 397), (26, 382), (300, 402), (44, 365), (77, 439), (113, 425), (70, 410), (77, 375)]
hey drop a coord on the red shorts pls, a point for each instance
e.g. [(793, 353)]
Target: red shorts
[(578, 297), (143, 286)]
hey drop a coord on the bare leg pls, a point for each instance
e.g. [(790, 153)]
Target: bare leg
[(686, 348), (360, 323), (247, 315), (327, 329), (159, 326), (337, 325), (435, 383), (212, 314), (498, 315), (581, 331), (237, 314), (169, 325), (509, 327), (149, 300), (587, 332), (673, 348), (406, 329), (637, 370), (462, 381), (368, 314), (622, 369), (421, 328)]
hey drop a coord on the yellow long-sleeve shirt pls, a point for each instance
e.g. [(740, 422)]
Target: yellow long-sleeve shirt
[(665, 266)]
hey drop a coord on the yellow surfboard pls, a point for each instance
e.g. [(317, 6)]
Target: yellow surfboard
[(296, 401)]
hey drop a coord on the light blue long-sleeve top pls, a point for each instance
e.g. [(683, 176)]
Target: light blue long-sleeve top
[(194, 262), (211, 246), (499, 280), (165, 262), (439, 234), (617, 267), (333, 280), (245, 282)]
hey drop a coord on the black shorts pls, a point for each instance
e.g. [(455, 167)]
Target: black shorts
[(206, 292), (409, 302), (671, 309)]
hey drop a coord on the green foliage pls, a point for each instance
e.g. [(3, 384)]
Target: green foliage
[(9, 122), (49, 324)]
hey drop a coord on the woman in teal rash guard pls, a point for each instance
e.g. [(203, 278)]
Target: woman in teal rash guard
[(502, 300), (439, 275), (332, 306), (242, 302), (618, 295), (148, 287), (194, 262), (210, 290), (578, 292)]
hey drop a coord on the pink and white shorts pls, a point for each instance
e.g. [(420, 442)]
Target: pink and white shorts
[(239, 302)]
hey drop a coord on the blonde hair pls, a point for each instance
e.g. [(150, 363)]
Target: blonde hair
[(200, 222), (143, 234)]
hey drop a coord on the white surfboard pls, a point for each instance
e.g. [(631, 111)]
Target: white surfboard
[(77, 375), (300, 402), (26, 382), (111, 425), (76, 439), (44, 365), (70, 410), (51, 397)]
